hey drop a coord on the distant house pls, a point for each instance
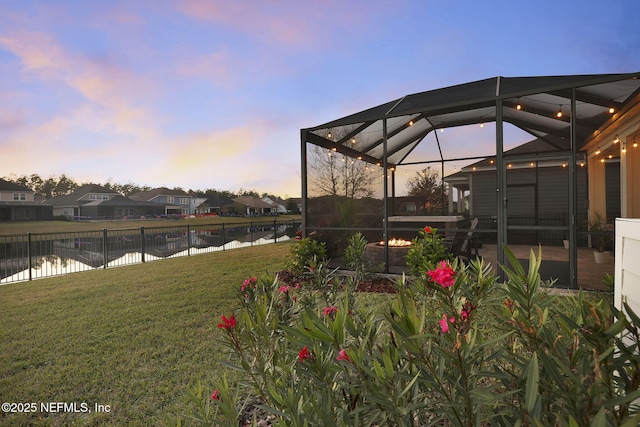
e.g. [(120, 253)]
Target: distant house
[(255, 206), (95, 201), (278, 204), (18, 203), (169, 202), (217, 203)]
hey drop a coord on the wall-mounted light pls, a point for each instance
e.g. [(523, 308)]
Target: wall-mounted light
[(410, 122), (616, 139), (329, 135), (598, 151)]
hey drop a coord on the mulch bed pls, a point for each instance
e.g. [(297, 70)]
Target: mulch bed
[(375, 284)]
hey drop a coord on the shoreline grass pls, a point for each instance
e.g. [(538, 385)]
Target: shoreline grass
[(135, 338)]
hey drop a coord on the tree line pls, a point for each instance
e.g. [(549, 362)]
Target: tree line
[(61, 185)]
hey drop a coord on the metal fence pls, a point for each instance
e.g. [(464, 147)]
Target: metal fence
[(30, 256)]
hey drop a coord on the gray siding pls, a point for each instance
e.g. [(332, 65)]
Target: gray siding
[(552, 185)]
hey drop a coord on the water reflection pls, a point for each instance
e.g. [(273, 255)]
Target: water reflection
[(83, 256)]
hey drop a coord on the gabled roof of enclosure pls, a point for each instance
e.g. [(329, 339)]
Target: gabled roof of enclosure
[(529, 103)]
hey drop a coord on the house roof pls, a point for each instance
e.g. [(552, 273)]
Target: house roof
[(252, 202), (157, 192), (217, 201), (529, 103), (12, 186), (73, 199)]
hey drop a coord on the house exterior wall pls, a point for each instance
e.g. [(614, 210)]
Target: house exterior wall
[(551, 185), (630, 178), (15, 196)]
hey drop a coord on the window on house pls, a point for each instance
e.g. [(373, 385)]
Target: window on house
[(170, 199), (19, 196), (98, 197), (184, 200)]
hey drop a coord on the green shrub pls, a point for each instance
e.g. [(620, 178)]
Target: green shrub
[(303, 252), (427, 251), (456, 347), (355, 255)]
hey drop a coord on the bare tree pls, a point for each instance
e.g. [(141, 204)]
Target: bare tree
[(428, 184), (335, 174)]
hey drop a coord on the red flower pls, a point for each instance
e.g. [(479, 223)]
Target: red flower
[(427, 229), (444, 323), (283, 289), (215, 395), (328, 311), (342, 355), (227, 323), (248, 282), (467, 308), (443, 275), (304, 354)]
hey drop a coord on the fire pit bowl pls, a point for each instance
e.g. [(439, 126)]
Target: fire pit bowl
[(398, 250)]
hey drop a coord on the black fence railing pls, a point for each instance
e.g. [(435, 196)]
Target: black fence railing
[(35, 255)]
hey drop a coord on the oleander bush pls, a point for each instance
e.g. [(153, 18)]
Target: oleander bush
[(427, 250), (304, 253), (455, 347)]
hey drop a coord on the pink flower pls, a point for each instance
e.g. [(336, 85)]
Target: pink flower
[(328, 311), (215, 395), (227, 323), (443, 275), (427, 229), (248, 282), (283, 289), (304, 354), (444, 323), (342, 355)]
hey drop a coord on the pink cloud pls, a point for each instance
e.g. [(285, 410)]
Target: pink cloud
[(289, 22)]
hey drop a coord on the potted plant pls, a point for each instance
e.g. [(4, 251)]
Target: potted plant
[(600, 237)]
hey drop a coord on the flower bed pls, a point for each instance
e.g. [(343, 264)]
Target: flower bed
[(455, 347)]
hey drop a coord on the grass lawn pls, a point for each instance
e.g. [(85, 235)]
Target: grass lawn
[(23, 227), (135, 338)]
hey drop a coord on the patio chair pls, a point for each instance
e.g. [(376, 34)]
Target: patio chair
[(462, 244)]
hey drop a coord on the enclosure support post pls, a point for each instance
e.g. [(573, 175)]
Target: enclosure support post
[(385, 197), (303, 176), (501, 186), (573, 202)]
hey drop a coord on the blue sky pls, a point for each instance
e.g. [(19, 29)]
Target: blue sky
[(212, 94)]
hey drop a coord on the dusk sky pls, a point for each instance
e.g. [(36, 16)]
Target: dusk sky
[(204, 94)]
